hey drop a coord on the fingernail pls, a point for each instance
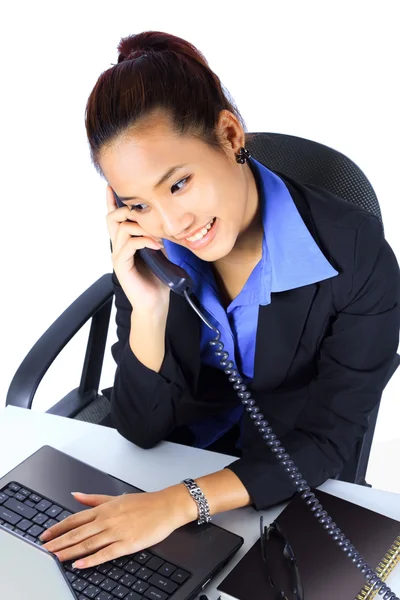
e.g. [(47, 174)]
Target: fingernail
[(78, 564), (81, 493)]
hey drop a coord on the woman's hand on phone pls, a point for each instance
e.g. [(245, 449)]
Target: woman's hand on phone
[(143, 289)]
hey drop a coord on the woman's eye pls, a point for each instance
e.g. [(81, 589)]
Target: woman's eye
[(179, 182), (138, 207)]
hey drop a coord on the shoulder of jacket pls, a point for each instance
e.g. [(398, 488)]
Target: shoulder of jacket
[(329, 210)]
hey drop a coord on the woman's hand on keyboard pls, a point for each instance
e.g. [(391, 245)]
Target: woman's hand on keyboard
[(119, 525)]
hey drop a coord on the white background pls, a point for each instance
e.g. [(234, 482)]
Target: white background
[(326, 71)]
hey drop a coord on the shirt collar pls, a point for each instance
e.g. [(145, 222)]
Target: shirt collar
[(290, 252)]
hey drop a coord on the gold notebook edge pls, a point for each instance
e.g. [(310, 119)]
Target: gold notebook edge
[(383, 570)]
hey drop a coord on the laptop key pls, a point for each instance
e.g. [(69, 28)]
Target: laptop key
[(84, 573), (166, 569), (14, 487), (3, 497), (9, 526), (49, 523), (70, 576), (115, 573), (155, 594), (19, 531), (127, 579), (29, 537), (120, 562), (140, 586), (105, 596), (9, 516), (43, 506), (133, 596), (25, 492), (131, 566), (163, 583), (154, 563), (53, 511), (24, 524), (9, 493), (29, 503), (35, 498), (120, 591), (40, 519), (104, 568), (63, 515), (144, 573), (96, 578), (142, 557), (91, 591), (35, 530), (20, 508), (19, 497), (79, 584), (180, 576), (108, 585)]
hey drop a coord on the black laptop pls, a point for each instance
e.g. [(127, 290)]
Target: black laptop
[(37, 494)]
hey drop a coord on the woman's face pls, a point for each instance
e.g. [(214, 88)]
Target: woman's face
[(207, 186)]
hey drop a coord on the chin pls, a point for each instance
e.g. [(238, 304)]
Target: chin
[(213, 253)]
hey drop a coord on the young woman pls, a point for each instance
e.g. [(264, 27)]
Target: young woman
[(302, 285)]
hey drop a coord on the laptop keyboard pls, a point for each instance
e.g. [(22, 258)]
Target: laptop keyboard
[(139, 576)]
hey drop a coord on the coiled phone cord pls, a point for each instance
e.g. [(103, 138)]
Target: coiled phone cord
[(262, 425)]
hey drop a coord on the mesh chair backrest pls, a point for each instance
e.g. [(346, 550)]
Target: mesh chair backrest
[(310, 162)]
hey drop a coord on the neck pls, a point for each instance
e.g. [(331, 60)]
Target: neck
[(248, 246)]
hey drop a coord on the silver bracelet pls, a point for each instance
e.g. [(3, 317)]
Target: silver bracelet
[(203, 508)]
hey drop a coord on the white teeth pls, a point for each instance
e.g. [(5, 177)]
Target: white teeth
[(201, 233)]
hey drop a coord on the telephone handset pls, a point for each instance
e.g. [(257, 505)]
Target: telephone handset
[(169, 273), (181, 283)]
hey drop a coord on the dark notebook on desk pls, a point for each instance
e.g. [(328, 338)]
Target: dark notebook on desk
[(326, 572)]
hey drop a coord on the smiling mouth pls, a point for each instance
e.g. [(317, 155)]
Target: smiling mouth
[(200, 234)]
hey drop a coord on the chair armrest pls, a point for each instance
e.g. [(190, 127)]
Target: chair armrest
[(95, 302)]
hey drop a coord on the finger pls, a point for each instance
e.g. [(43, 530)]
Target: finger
[(119, 222), (111, 552), (77, 520), (131, 243), (92, 499), (88, 546), (126, 253), (75, 536), (110, 198)]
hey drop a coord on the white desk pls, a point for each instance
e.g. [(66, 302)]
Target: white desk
[(22, 432)]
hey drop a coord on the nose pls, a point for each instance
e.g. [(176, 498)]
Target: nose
[(175, 225)]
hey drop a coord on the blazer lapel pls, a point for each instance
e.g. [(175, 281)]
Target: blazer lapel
[(279, 328), (183, 332)]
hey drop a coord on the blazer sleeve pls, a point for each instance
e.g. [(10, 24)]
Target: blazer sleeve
[(353, 365), (147, 407)]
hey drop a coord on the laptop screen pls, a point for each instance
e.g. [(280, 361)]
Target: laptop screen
[(29, 571)]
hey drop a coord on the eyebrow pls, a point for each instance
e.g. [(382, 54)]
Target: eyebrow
[(164, 178)]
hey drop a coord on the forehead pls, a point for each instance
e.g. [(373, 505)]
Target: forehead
[(147, 152)]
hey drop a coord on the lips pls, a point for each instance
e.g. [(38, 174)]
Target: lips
[(206, 239), (195, 231)]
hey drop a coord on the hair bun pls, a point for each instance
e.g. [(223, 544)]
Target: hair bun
[(147, 41)]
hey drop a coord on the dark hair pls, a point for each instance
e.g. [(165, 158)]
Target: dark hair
[(156, 70)]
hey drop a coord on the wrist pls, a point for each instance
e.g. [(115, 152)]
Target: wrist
[(181, 504)]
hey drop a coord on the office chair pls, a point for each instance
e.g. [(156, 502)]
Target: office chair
[(303, 160)]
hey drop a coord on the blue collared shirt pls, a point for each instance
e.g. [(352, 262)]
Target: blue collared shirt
[(290, 259)]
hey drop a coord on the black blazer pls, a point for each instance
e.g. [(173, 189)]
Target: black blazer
[(323, 352)]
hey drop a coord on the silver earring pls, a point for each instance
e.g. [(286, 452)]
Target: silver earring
[(243, 155)]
